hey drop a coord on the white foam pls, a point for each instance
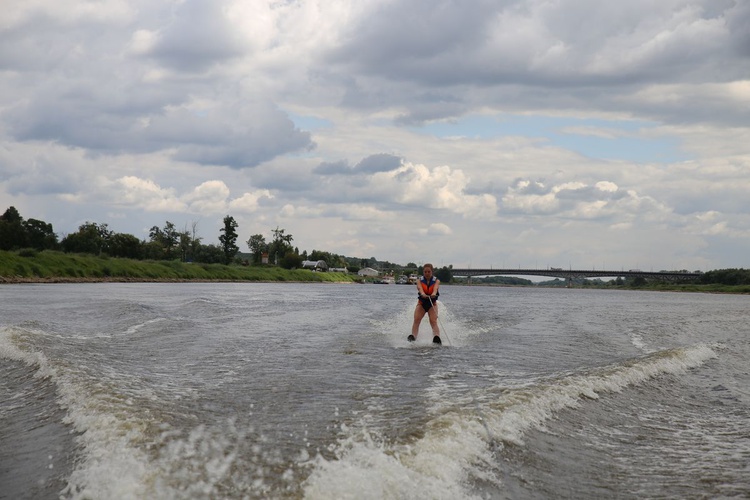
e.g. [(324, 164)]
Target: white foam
[(455, 448), (111, 466), (134, 329), (453, 331), (518, 410), (458, 441), (433, 467), (637, 340)]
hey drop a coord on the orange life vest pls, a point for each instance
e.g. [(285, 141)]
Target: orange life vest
[(428, 288)]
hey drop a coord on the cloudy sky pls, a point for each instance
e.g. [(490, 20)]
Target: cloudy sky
[(504, 133)]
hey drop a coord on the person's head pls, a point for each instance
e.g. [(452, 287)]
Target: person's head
[(427, 270)]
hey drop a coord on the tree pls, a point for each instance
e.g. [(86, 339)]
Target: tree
[(12, 233), (638, 281), (281, 245), (727, 276), (186, 246), (209, 254), (257, 245), (291, 260), (332, 259), (12, 215), (91, 238), (39, 234), (228, 239), (126, 246), (171, 240), (444, 274), (168, 238), (190, 243)]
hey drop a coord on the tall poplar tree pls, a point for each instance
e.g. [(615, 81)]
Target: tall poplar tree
[(228, 239)]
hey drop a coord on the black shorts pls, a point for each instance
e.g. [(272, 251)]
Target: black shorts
[(426, 304)]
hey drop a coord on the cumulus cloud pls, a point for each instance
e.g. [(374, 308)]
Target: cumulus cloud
[(249, 202), (578, 200), (208, 198), (439, 188), (437, 228), (529, 197), (145, 193)]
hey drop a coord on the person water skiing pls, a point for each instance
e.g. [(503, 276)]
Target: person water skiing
[(427, 288)]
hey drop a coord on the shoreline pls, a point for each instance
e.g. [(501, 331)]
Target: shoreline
[(18, 280)]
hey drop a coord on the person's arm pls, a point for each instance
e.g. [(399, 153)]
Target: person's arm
[(420, 290), (437, 287)]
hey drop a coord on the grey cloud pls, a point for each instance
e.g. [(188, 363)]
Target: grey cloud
[(538, 55), (38, 173), (378, 163), (43, 184), (283, 178), (340, 167), (198, 37), (431, 106), (96, 94), (509, 42), (246, 135), (238, 134), (72, 115), (739, 25), (38, 42), (32, 45), (401, 35)]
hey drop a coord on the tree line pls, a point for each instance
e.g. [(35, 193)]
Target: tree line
[(164, 243), (169, 243)]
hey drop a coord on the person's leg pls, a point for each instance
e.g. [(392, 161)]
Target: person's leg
[(418, 315), (433, 315)]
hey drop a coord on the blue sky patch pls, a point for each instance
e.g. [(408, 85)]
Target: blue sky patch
[(309, 123), (595, 138)]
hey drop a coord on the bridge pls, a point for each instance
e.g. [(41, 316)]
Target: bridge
[(571, 274)]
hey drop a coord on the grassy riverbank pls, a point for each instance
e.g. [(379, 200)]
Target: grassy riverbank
[(49, 266), (705, 288)]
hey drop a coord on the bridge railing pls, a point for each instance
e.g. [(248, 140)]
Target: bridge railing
[(577, 273)]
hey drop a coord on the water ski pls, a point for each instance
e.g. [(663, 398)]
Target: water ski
[(435, 340)]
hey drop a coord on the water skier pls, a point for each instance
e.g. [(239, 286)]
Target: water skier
[(427, 288)]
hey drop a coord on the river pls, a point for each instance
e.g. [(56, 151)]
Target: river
[(288, 390)]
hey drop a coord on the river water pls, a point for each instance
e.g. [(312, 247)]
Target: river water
[(203, 390)]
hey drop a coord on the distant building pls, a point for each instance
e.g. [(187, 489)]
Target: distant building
[(315, 265), (264, 258), (368, 271), (338, 270)]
